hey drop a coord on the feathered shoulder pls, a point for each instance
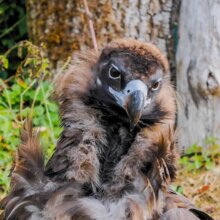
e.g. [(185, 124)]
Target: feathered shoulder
[(78, 77)]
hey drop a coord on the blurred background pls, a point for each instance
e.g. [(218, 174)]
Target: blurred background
[(38, 38)]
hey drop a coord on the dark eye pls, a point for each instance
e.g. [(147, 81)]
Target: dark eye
[(155, 86), (114, 72)]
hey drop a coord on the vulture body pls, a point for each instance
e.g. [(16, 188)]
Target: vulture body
[(116, 155)]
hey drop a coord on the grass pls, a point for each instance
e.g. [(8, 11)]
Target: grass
[(202, 188), (199, 176), (16, 103), (26, 93)]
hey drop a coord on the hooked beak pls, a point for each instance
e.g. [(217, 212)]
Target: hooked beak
[(133, 99), (135, 106)]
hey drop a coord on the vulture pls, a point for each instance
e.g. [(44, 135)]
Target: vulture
[(115, 158)]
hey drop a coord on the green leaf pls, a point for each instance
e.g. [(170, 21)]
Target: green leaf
[(26, 111), (4, 61), (1, 10), (194, 148), (184, 160), (209, 164), (21, 83), (28, 61), (52, 107), (197, 161), (39, 110), (178, 189)]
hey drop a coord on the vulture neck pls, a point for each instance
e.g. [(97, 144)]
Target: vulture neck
[(119, 140), (119, 136)]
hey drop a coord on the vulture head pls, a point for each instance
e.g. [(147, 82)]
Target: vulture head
[(131, 81)]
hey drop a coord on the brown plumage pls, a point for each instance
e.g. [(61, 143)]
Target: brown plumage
[(116, 155)]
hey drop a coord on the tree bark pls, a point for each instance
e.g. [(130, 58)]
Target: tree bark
[(63, 25), (198, 71)]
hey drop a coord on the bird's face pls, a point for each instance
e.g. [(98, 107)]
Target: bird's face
[(133, 81)]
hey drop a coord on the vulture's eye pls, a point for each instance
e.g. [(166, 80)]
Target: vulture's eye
[(114, 72), (156, 85)]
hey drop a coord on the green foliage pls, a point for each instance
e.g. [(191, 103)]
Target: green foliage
[(32, 62), (25, 94), (44, 113), (178, 189), (198, 157)]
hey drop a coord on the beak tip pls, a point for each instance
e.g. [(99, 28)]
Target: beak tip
[(135, 107), (135, 121)]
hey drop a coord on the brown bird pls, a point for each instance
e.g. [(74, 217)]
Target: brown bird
[(116, 155)]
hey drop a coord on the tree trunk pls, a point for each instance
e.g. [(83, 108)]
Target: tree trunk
[(63, 25), (198, 71)]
